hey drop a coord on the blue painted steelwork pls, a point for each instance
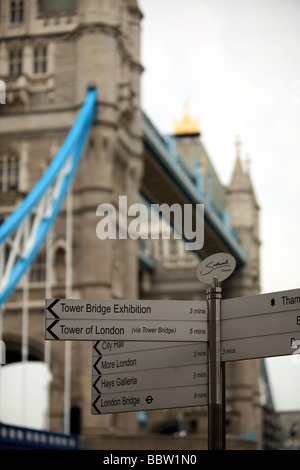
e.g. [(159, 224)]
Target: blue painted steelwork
[(199, 182), (158, 149), (145, 261), (63, 166), (19, 437)]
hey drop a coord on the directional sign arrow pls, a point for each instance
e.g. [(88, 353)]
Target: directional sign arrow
[(93, 309), (96, 364), (128, 330), (119, 347), (49, 308), (189, 354), (95, 402), (150, 399), (95, 384), (153, 378), (49, 329), (99, 353), (95, 347)]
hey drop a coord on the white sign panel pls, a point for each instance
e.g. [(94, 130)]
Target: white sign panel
[(150, 374), (70, 309), (149, 399), (167, 377), (260, 325), (128, 358), (275, 302), (126, 320), (127, 330), (261, 347), (117, 346), (265, 325)]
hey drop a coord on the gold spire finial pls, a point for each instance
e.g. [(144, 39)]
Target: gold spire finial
[(186, 125)]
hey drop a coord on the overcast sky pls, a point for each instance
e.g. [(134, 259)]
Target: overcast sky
[(237, 64)]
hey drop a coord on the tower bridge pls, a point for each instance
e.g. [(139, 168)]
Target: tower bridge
[(73, 136)]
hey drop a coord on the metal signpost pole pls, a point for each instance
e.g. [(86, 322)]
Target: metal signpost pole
[(212, 270), (216, 410)]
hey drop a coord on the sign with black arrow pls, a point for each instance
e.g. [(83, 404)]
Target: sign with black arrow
[(153, 354), (170, 375), (126, 320), (152, 399)]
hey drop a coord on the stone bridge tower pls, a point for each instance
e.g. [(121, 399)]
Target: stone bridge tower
[(51, 53)]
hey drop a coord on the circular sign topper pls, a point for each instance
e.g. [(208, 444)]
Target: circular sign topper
[(220, 265)]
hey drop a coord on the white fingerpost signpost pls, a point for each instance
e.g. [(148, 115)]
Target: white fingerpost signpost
[(158, 354)]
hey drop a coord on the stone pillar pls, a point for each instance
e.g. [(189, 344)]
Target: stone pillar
[(110, 167)]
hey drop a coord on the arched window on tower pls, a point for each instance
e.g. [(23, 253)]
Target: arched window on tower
[(60, 265), (9, 171)]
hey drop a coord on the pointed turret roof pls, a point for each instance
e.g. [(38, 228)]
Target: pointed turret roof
[(241, 180)]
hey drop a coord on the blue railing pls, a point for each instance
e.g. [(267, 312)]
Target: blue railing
[(163, 151), (19, 437)]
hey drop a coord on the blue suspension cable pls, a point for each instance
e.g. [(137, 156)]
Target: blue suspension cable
[(63, 166)]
